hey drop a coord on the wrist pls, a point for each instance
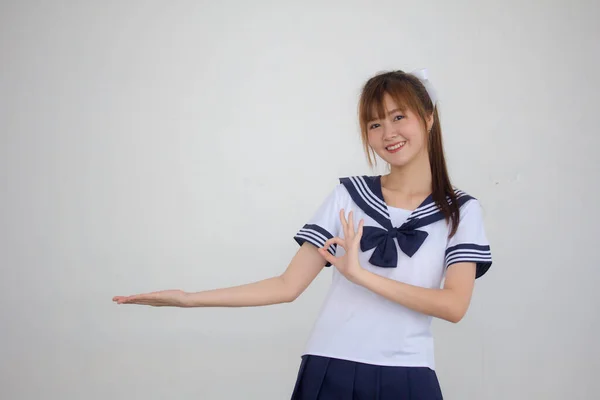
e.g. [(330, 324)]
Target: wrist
[(187, 300), (359, 276)]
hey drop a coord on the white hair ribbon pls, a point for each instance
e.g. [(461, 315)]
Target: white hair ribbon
[(422, 75)]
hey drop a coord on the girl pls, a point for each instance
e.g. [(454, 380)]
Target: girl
[(372, 339)]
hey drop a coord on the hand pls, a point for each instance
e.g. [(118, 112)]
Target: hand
[(163, 298), (348, 264)]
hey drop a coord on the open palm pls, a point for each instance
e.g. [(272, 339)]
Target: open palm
[(162, 298)]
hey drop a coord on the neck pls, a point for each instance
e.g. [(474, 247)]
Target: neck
[(411, 179)]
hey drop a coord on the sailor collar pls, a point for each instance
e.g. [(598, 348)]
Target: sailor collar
[(366, 192)]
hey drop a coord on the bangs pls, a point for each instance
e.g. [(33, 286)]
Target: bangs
[(372, 102)]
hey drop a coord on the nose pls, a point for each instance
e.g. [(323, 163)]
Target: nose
[(389, 132)]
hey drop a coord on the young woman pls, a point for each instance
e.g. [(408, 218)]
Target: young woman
[(392, 240)]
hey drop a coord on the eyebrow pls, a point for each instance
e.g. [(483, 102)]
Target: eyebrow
[(393, 111), (388, 113)]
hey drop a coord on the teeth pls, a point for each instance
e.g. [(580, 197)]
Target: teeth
[(397, 146)]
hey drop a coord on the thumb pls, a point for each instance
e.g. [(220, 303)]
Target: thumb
[(327, 256)]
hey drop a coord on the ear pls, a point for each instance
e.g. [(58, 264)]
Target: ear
[(429, 122)]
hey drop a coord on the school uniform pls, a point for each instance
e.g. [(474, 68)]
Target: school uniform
[(362, 345)]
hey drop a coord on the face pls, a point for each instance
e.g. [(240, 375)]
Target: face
[(400, 137)]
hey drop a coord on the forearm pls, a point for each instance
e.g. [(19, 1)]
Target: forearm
[(440, 303), (266, 292)]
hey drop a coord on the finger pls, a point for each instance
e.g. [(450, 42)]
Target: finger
[(360, 229), (351, 224), (328, 257), (343, 221), (138, 297), (335, 240), (126, 300), (147, 303), (120, 299), (135, 297), (126, 297), (141, 301)]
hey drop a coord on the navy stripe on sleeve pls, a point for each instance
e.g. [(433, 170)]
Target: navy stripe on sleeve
[(315, 235), (480, 255)]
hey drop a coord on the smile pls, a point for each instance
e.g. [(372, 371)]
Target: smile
[(395, 147)]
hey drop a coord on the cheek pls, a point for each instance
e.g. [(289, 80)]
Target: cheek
[(417, 139), (373, 139)]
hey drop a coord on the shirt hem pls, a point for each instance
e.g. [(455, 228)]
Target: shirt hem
[(370, 361)]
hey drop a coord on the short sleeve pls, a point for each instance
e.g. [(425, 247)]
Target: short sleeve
[(324, 223), (470, 243)]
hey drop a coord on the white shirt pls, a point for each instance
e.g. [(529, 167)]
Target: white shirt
[(357, 324)]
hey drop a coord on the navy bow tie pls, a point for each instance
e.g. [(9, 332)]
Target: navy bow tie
[(385, 254)]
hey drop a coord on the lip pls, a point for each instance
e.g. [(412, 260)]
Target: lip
[(394, 144)]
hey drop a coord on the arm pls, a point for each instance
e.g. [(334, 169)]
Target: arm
[(302, 270), (449, 303)]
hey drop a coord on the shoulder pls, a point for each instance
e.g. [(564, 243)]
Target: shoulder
[(338, 191), (335, 196), (340, 194), (465, 200), (360, 180), (469, 206), (363, 185)]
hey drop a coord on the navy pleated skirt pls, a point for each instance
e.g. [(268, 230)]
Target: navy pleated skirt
[(324, 378)]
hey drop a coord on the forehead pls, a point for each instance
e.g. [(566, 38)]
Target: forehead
[(382, 106), (390, 104)]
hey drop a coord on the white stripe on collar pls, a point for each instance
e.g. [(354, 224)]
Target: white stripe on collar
[(369, 197)]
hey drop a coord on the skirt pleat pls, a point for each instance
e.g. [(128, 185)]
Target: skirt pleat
[(366, 382), (324, 378), (311, 378)]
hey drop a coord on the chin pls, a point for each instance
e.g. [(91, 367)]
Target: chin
[(398, 164), (397, 161)]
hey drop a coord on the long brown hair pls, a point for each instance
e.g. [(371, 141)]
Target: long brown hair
[(409, 93)]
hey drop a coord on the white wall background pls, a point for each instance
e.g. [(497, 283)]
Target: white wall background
[(155, 145)]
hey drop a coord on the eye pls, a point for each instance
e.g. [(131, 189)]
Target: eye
[(373, 126), (398, 117)]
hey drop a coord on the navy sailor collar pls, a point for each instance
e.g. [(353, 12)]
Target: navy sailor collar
[(366, 192)]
